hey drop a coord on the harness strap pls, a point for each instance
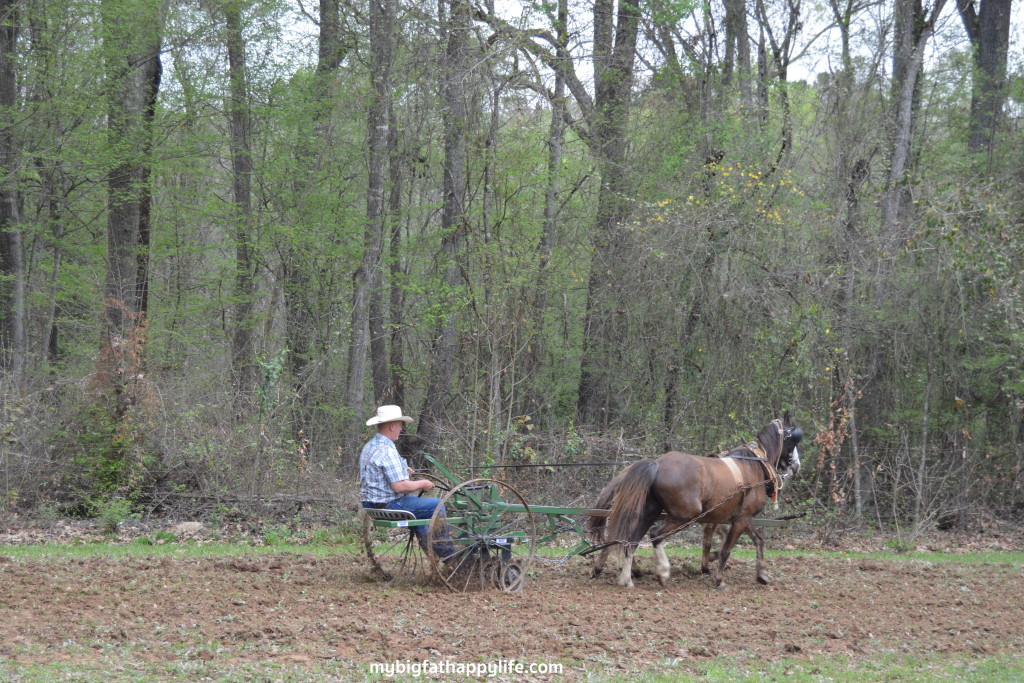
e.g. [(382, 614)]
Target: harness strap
[(735, 469), (774, 482)]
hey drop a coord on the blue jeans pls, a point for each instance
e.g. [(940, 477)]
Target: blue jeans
[(423, 507)]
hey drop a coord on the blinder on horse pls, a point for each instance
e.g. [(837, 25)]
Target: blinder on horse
[(789, 463)]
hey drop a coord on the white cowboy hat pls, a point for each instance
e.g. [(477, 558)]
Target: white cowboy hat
[(387, 414)]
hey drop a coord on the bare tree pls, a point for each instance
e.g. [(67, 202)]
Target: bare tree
[(851, 119)]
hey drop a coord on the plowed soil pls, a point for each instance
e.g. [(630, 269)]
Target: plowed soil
[(307, 610)]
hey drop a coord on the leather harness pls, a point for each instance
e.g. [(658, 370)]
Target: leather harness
[(774, 482)]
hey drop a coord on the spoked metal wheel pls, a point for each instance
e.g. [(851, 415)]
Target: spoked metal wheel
[(394, 552), (490, 533)]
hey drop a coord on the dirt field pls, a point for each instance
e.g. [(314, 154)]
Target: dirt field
[(309, 612)]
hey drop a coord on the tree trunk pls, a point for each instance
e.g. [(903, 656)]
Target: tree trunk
[(781, 51), (532, 403), (368, 281), (135, 76), (913, 28), (301, 332), (988, 29), (134, 68), (614, 58), (737, 51), (453, 218), (922, 463), (132, 43), (13, 339), (394, 391), (243, 347)]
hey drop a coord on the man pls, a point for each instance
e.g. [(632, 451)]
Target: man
[(384, 476)]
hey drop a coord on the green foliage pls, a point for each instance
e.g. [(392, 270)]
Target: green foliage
[(112, 511), (575, 444), (271, 372), (669, 12), (164, 537), (277, 534), (99, 447), (899, 545)]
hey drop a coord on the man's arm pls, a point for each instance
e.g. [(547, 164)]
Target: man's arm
[(411, 485)]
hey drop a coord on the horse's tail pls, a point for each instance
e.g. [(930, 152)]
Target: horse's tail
[(597, 524), (630, 499)]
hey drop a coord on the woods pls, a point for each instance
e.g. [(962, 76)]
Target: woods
[(552, 231)]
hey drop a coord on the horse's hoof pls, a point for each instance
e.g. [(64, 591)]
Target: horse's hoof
[(764, 579), (720, 587), (705, 570), (663, 580), (594, 573)]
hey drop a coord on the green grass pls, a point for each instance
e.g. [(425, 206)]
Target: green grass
[(122, 663), (841, 668), (1016, 559), (187, 549)]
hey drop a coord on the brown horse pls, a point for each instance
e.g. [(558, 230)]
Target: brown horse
[(691, 489)]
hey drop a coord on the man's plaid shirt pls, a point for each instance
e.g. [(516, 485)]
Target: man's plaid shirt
[(380, 465)]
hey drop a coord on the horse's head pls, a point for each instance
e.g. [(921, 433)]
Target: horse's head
[(789, 459), (779, 439)]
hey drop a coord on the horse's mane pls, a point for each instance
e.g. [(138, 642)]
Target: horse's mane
[(769, 439)]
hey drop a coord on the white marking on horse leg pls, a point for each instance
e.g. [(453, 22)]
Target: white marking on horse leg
[(626, 575), (662, 569)]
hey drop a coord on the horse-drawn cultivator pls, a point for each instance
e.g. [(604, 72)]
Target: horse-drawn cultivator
[(494, 530), (490, 533)]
